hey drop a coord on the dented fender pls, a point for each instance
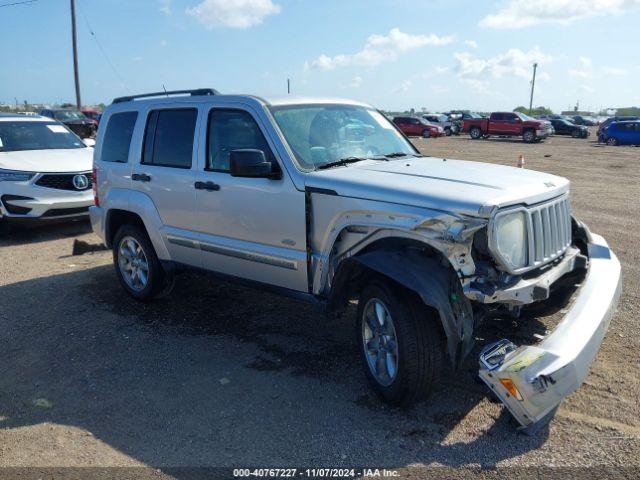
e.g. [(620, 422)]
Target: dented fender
[(437, 286)]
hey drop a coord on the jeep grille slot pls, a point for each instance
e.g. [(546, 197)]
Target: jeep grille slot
[(550, 231)]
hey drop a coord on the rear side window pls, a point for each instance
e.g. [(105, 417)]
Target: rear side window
[(168, 138), (232, 130), (117, 137), (497, 116)]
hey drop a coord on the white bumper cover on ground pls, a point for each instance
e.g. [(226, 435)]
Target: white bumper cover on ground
[(532, 380)]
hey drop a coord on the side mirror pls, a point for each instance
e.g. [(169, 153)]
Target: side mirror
[(89, 142), (251, 163)]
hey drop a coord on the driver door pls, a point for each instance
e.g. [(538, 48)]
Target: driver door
[(252, 228)]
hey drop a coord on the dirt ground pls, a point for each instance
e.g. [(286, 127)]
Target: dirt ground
[(218, 375)]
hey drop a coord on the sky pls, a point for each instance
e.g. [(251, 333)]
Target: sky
[(395, 54)]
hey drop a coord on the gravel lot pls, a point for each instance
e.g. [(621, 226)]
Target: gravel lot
[(217, 375)]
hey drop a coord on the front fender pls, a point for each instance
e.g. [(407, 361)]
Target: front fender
[(437, 286)]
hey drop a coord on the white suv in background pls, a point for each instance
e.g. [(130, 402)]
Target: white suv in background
[(45, 170)]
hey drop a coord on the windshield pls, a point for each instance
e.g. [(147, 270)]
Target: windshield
[(24, 135), (524, 117), (64, 115), (321, 134)]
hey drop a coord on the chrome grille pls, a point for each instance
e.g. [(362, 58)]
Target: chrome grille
[(549, 231)]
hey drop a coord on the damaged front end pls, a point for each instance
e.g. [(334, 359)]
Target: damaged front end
[(531, 381)]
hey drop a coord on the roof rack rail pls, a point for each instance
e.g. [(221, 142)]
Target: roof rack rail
[(193, 93)]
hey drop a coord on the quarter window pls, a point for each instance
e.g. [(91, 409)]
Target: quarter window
[(168, 140), (232, 130), (117, 137)]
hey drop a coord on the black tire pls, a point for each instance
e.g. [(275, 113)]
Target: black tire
[(447, 131), (475, 133), (156, 278), (421, 351), (576, 134), (612, 141), (426, 133), (529, 136), (5, 228)]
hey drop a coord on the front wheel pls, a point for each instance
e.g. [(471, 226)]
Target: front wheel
[(136, 263), (612, 141), (447, 131), (576, 134), (401, 346), (426, 133), (529, 136)]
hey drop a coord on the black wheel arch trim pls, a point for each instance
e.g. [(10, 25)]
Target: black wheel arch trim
[(439, 289)]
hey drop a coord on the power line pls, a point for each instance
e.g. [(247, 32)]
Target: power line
[(26, 2), (102, 50)]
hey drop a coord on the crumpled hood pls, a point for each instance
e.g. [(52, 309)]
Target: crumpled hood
[(449, 185), (57, 161)]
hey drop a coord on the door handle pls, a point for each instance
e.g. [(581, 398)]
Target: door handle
[(141, 177), (208, 186)]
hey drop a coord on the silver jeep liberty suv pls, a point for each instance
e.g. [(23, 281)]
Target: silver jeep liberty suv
[(327, 201)]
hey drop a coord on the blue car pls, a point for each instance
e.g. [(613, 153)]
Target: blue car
[(623, 133)]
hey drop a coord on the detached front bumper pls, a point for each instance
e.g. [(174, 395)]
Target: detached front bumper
[(532, 380)]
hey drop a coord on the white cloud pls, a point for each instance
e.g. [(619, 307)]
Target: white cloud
[(233, 13), (378, 49), (614, 71), (512, 63), (165, 7), (525, 13), (436, 71), (586, 62), (403, 87), (471, 43), (580, 73)]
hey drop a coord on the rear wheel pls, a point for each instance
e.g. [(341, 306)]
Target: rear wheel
[(5, 228), (529, 136), (447, 131), (475, 133), (426, 133), (401, 346), (136, 263), (612, 141)]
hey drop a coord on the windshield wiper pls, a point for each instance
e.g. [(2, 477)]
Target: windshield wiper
[(401, 154), (342, 161)]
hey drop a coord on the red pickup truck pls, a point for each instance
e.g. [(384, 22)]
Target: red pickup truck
[(508, 124)]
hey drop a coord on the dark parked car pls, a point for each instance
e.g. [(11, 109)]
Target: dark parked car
[(585, 120), (603, 126), (74, 119), (565, 127), (414, 126), (623, 133)]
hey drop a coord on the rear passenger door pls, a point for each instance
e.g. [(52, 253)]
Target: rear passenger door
[(497, 124), (165, 172)]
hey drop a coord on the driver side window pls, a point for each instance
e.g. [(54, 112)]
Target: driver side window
[(230, 130)]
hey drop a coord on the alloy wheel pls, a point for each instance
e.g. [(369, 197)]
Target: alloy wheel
[(380, 342)]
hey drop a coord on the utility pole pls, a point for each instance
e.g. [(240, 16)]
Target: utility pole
[(533, 85), (75, 53), (288, 86)]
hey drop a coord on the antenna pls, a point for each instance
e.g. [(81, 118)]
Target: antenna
[(165, 90)]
